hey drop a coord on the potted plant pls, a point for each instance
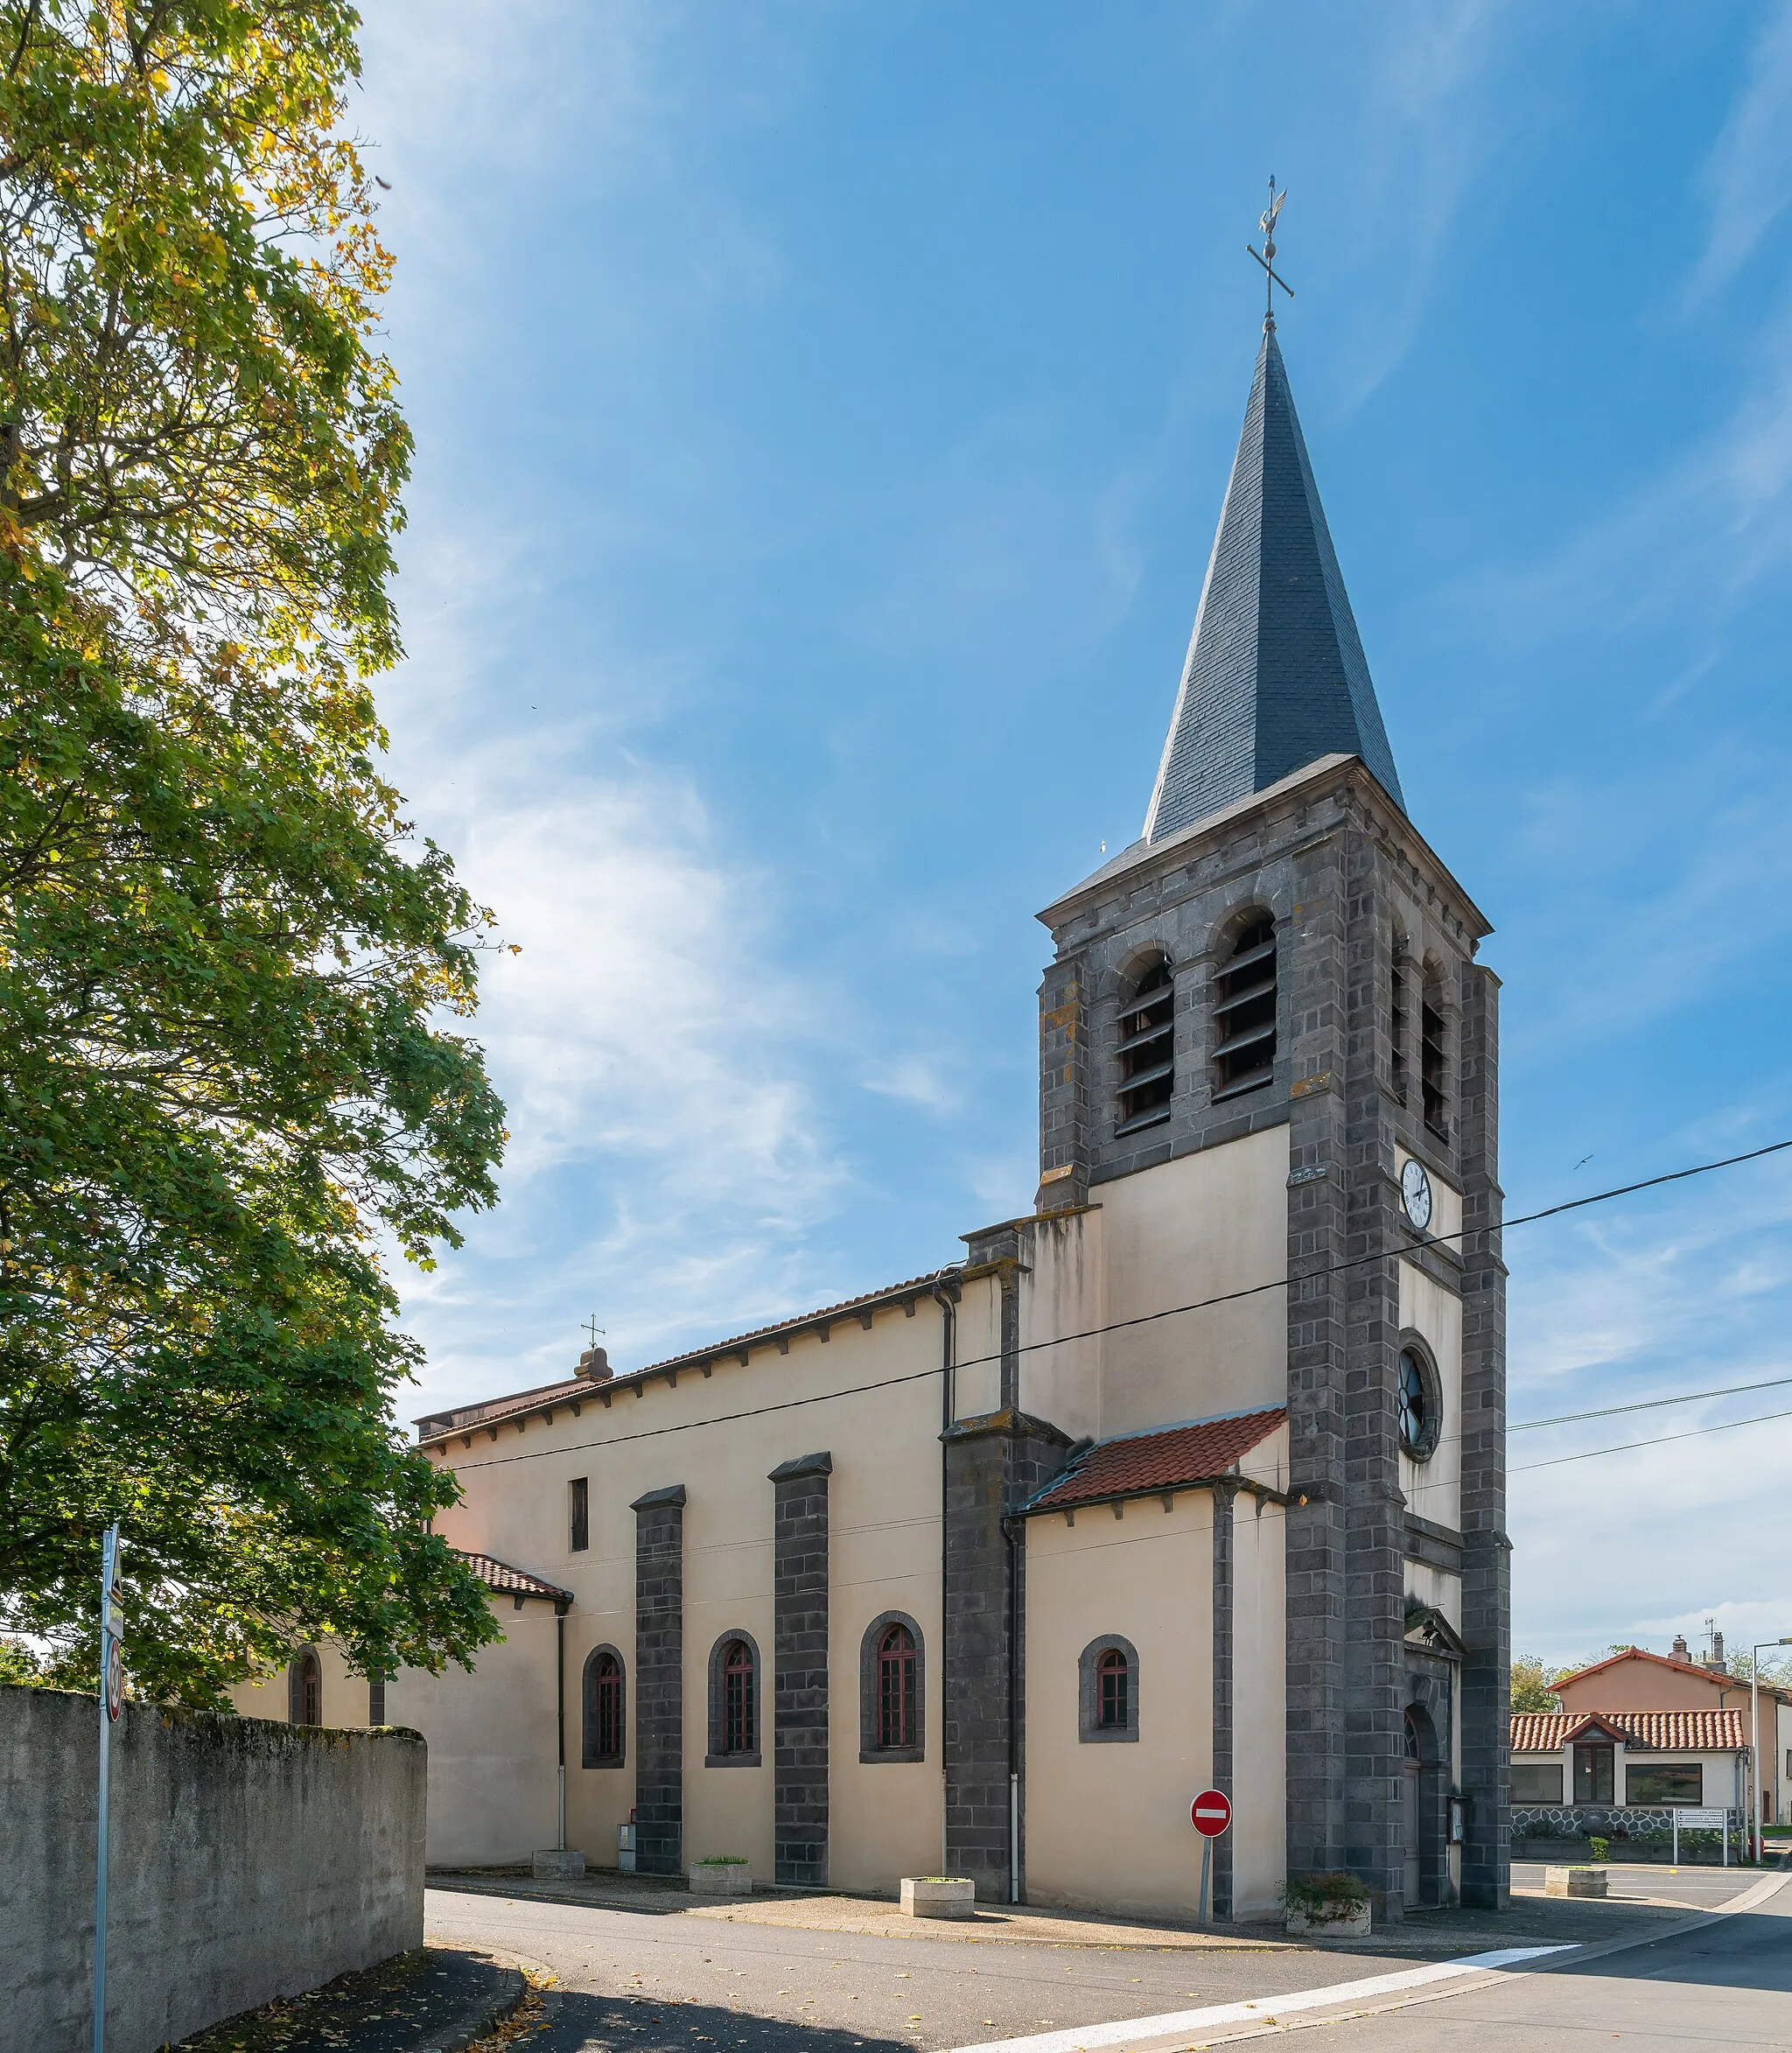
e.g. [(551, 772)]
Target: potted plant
[(1326, 1906)]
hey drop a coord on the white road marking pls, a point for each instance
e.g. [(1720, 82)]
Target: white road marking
[(1172, 2024)]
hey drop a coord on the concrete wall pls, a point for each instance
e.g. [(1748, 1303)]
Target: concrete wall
[(248, 1861)]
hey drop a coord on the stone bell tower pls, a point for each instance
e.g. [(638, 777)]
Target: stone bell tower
[(1281, 948)]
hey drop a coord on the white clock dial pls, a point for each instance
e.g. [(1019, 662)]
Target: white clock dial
[(1416, 1194)]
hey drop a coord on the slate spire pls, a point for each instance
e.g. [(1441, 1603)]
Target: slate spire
[(1275, 676)]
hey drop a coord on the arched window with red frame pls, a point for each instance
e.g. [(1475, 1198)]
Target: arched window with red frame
[(738, 1734), (305, 1689), (605, 1708), (896, 1676), (1113, 1681)]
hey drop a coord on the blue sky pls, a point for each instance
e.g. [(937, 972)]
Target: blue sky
[(823, 414)]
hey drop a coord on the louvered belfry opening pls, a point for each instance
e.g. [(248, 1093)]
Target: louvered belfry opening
[(1432, 1069), (1244, 1010), (1396, 1020), (1148, 1049)]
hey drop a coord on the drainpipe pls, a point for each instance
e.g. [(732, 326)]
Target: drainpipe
[(1008, 1534), (947, 1337), (560, 1697)]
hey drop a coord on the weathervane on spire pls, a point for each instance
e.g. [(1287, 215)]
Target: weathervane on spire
[(1266, 221)]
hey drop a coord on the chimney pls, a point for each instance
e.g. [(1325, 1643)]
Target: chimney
[(1717, 1659), (1681, 1650), (594, 1365)]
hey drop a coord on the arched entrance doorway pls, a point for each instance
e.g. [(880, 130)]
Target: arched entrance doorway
[(1422, 1824)]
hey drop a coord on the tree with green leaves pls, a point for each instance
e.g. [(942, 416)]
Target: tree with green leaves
[(1531, 1682), (231, 1076)]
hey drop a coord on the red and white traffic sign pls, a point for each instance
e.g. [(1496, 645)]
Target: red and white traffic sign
[(1210, 1813)]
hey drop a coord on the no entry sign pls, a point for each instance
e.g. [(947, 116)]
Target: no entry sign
[(1210, 1813)]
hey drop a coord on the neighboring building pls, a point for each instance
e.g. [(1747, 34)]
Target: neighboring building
[(1642, 1729), (1194, 1475)]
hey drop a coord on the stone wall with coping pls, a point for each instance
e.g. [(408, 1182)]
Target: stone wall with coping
[(248, 1861)]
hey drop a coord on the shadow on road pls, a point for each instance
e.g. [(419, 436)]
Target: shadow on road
[(638, 2026)]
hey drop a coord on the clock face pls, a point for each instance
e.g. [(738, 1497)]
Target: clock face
[(1416, 1194)]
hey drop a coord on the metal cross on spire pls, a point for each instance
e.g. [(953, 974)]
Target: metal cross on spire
[(593, 1329), (1273, 278)]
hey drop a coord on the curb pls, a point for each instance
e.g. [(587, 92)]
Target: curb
[(484, 2015)]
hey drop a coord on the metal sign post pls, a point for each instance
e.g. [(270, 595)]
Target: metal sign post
[(111, 1695), (1210, 1814)]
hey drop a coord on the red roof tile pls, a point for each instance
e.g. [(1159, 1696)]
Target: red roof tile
[(1648, 1732), (511, 1582), (1173, 1457)]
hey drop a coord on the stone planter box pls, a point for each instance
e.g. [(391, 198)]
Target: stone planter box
[(1342, 1921), (929, 1896), (1574, 1882), (721, 1878), (556, 1863)]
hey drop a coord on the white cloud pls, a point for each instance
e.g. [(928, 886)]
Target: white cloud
[(1749, 174)]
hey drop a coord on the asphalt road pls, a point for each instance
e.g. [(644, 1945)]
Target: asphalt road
[(1728, 1984), (672, 1985), (640, 1983)]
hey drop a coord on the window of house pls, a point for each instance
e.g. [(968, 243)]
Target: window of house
[(605, 1704), (1592, 1775), (1680, 1782), (1148, 1049), (1536, 1782), (891, 1690), (734, 1692), (376, 1700), (1433, 1071), (1244, 1010), (1107, 1689), (305, 1689), (578, 1495), (1420, 1401)]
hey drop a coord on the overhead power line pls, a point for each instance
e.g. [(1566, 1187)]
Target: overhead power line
[(1598, 1197), (1698, 1431), (1690, 1397)]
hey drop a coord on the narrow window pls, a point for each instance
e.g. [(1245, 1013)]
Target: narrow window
[(604, 1708), (376, 1700), (609, 1705), (579, 1494), (896, 1688), (1148, 1050), (1244, 1011), (1114, 1678), (305, 1690), (1431, 1071), (737, 1698), (1396, 1020)]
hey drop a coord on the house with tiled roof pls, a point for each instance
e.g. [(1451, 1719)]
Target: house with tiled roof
[(1191, 1477), (1640, 1731)]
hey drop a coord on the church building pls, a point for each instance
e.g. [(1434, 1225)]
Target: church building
[(1192, 1478)]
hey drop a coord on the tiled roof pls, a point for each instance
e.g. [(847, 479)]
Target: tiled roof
[(438, 1426), (1648, 1732), (1172, 1457), (1275, 676), (511, 1582)]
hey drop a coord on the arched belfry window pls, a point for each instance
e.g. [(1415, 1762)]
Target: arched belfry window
[(1148, 1049), (1244, 1009), (1433, 1071)]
